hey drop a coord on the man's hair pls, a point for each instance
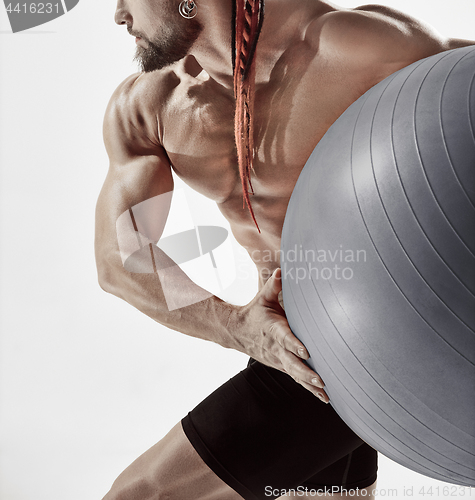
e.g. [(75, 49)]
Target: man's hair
[(248, 16)]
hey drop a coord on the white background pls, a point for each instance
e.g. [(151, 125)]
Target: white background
[(87, 383)]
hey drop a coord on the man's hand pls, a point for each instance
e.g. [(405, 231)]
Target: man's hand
[(260, 329)]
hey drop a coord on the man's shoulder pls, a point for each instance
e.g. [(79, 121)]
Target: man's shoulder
[(373, 36), (368, 20), (134, 110), (145, 91), (373, 30)]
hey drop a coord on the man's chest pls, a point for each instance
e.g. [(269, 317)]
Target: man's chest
[(291, 114)]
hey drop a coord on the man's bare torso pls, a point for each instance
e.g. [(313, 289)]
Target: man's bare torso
[(310, 87)]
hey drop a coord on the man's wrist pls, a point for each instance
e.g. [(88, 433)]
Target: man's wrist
[(232, 320)]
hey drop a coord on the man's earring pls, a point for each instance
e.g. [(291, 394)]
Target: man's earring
[(188, 9)]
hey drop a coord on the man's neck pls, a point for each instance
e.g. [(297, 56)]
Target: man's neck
[(285, 23)]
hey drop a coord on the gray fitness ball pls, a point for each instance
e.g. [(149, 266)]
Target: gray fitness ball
[(378, 265)]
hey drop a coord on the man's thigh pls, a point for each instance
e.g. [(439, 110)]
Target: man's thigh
[(170, 469)]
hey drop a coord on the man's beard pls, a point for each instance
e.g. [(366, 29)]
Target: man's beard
[(162, 52)]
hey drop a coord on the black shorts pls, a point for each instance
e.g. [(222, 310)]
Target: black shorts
[(263, 433)]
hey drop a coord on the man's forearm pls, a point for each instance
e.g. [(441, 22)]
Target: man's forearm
[(157, 295)]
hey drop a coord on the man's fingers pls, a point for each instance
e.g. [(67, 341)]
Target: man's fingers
[(273, 286), (300, 371), (277, 275), (320, 393), (289, 341)]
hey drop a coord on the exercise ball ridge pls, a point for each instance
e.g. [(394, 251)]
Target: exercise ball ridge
[(378, 265)]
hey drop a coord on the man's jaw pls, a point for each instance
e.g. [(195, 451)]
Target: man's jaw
[(173, 45)]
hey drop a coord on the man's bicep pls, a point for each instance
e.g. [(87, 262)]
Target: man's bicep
[(136, 195), (144, 187), (132, 209), (139, 170)]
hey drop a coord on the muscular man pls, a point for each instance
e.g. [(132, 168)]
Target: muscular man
[(286, 79)]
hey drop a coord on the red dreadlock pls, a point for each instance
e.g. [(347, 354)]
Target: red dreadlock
[(249, 15)]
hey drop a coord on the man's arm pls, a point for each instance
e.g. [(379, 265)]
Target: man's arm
[(139, 172), (375, 41), (140, 175)]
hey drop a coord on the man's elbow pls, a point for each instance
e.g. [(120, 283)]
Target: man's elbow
[(106, 275)]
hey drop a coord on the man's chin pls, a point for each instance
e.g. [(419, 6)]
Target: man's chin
[(149, 60)]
